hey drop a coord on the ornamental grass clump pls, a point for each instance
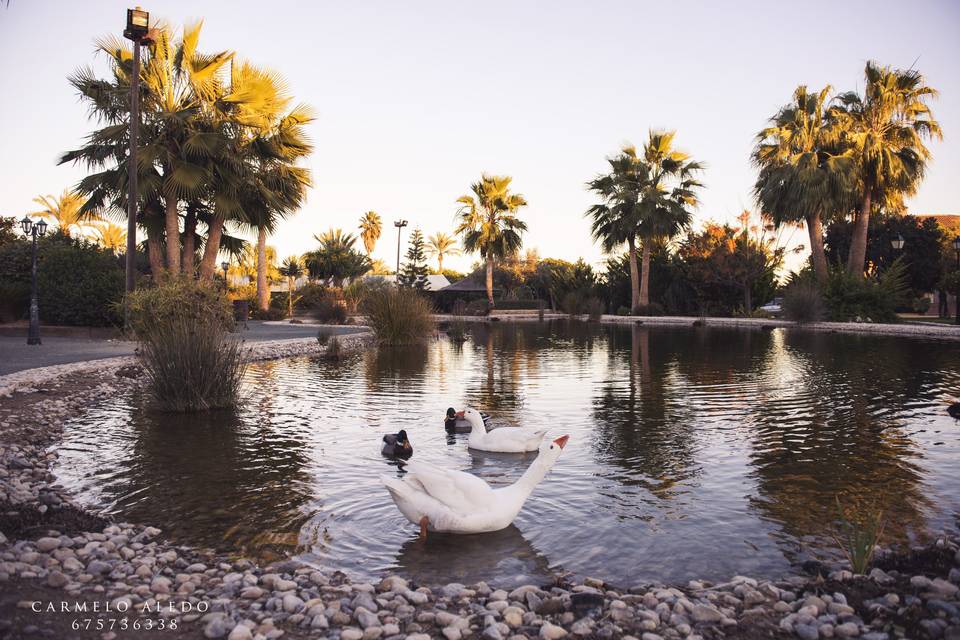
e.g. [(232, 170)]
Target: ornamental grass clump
[(190, 363), (857, 532), (397, 315)]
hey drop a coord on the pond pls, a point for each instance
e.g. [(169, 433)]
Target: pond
[(693, 453)]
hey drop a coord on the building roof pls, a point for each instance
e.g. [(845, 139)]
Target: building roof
[(467, 285), (434, 282)]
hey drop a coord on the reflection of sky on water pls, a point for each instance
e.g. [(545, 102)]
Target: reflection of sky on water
[(692, 452)]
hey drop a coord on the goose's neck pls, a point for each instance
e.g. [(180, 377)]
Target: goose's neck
[(533, 475)]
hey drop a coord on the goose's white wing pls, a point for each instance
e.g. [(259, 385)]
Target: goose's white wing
[(456, 489), (520, 435)]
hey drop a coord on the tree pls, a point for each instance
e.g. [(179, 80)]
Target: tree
[(441, 245), (803, 176), (370, 228), (66, 210), (414, 271), (336, 259), (112, 236), (291, 269), (884, 131), (488, 222)]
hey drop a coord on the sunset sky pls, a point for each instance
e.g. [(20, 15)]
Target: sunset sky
[(416, 99)]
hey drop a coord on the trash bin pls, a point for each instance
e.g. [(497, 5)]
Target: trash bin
[(241, 310)]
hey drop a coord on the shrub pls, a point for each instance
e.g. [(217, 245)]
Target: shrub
[(518, 304), (457, 331), (652, 309), (397, 316), (79, 283), (869, 299), (857, 532), (802, 302), (477, 308), (311, 295), (595, 308), (272, 313), (190, 363), (623, 311), (330, 311)]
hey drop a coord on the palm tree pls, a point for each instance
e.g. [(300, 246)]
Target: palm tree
[(112, 236), (488, 222), (336, 259), (66, 210), (441, 245), (665, 197), (292, 268), (616, 219), (370, 229), (884, 131), (803, 177)]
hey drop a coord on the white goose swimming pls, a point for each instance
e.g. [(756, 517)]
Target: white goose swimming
[(458, 502), (507, 440)]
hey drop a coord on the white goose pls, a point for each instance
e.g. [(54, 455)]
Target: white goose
[(507, 440), (458, 502)]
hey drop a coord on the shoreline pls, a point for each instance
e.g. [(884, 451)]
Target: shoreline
[(53, 550)]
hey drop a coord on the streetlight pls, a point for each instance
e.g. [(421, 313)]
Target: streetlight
[(138, 32), (399, 224), (897, 242), (33, 230), (956, 293), (226, 284)]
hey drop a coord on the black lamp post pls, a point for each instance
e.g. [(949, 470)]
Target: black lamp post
[(399, 224), (137, 31), (898, 242), (956, 293), (33, 230), (226, 283)]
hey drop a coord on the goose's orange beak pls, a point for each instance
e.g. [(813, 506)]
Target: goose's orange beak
[(561, 441)]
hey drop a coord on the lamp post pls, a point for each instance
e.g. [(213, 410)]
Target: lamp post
[(956, 292), (898, 242), (226, 283), (399, 224), (137, 31), (33, 230)]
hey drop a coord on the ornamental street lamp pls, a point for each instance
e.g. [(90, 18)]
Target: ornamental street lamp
[(32, 229), (956, 293), (225, 266), (898, 242), (138, 32), (399, 224)]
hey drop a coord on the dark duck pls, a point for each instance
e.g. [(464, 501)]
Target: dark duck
[(397, 445)]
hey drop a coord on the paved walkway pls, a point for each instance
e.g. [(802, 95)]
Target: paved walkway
[(17, 355)]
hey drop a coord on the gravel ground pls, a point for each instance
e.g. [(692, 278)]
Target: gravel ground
[(56, 558)]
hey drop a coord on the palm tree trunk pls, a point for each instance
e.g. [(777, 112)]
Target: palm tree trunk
[(490, 280), (817, 255), (645, 275), (440, 263), (208, 265), (263, 294), (172, 224), (189, 242), (156, 258), (747, 297), (290, 281), (634, 275), (858, 244)]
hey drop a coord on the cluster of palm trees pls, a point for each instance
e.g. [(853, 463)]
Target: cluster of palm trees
[(646, 197), (824, 158), (440, 245), (220, 146)]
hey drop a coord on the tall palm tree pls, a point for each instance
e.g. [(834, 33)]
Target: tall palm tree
[(66, 210), (442, 245), (292, 268), (666, 197), (804, 177), (488, 222), (370, 228), (616, 219), (112, 236), (884, 130)]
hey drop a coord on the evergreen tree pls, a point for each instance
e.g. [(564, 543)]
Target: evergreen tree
[(414, 271)]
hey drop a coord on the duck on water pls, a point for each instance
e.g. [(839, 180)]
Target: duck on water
[(397, 445)]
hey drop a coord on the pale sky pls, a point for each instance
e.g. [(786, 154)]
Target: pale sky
[(416, 99)]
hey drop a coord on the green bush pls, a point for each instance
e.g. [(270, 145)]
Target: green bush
[(311, 295), (866, 299), (477, 308), (78, 282), (652, 309), (272, 313), (803, 302), (190, 363), (397, 316), (595, 308)]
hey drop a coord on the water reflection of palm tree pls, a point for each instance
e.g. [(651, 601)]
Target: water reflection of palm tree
[(396, 368), (498, 390), (217, 480), (806, 452), (641, 426), (468, 559)]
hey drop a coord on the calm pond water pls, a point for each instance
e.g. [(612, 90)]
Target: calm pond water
[(693, 453)]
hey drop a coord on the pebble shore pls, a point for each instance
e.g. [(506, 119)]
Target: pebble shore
[(132, 568)]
